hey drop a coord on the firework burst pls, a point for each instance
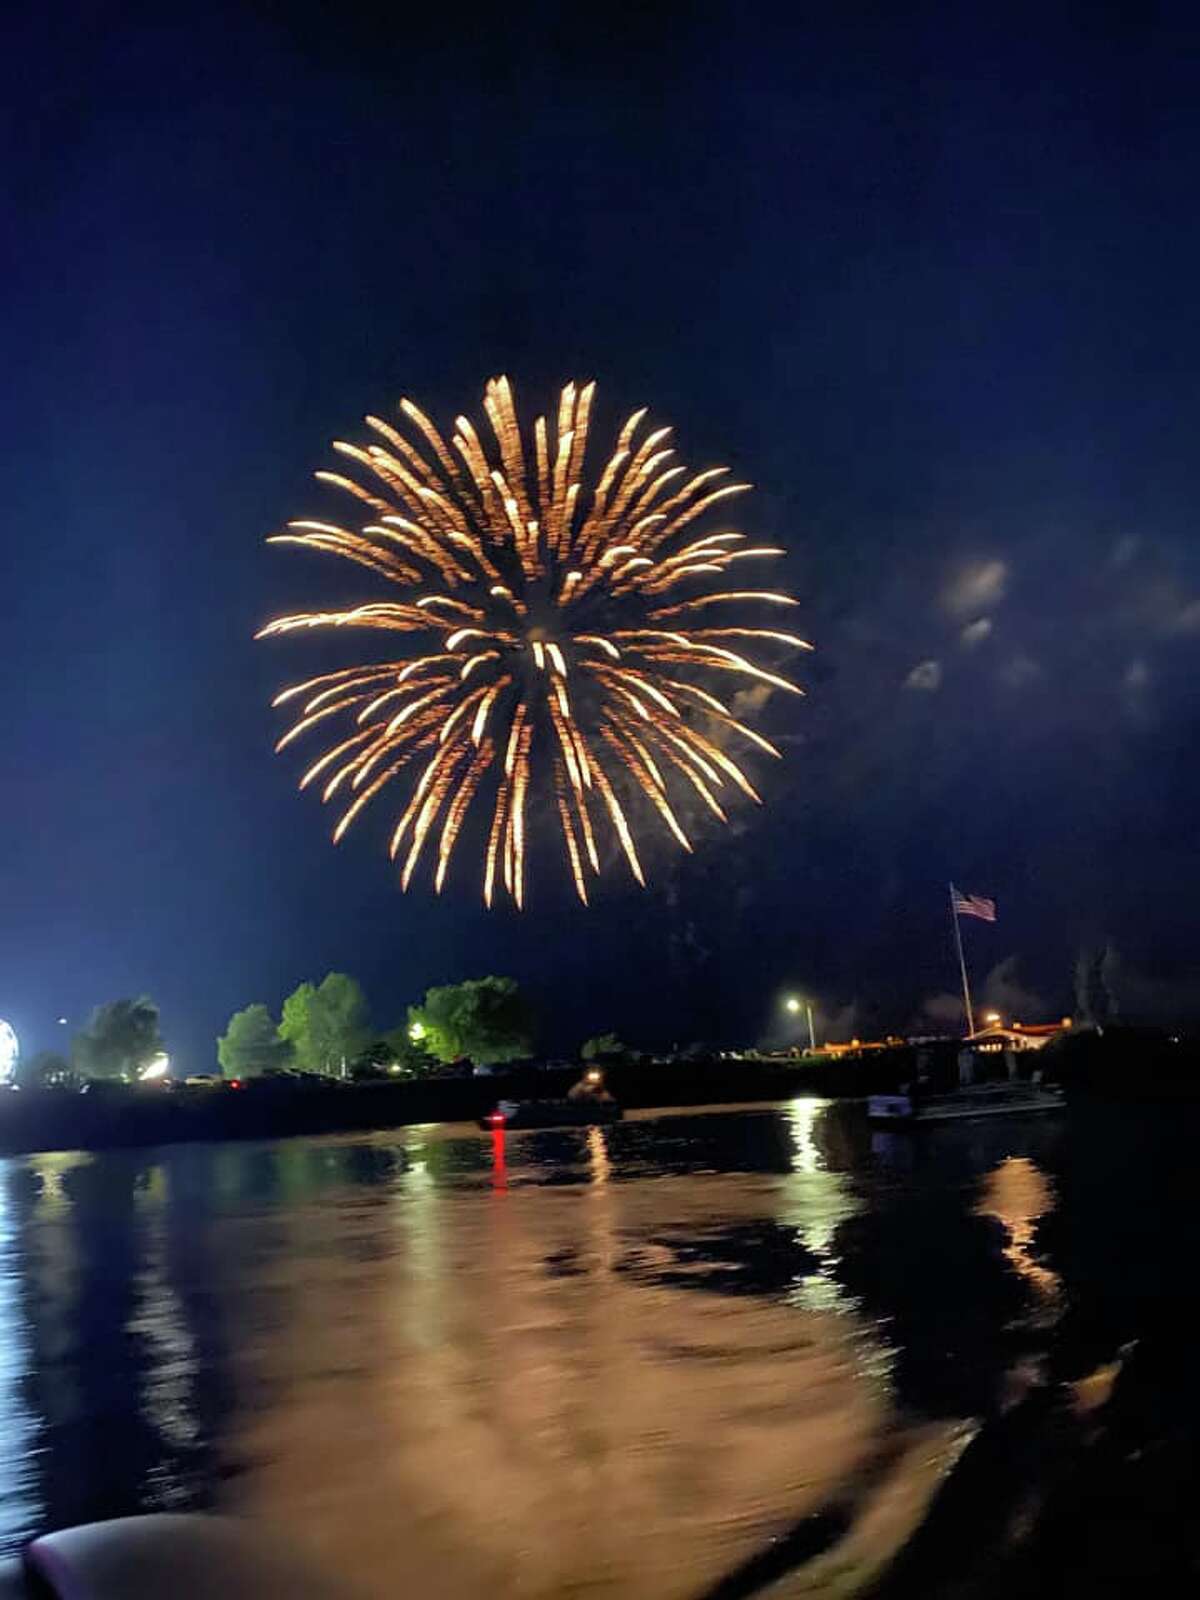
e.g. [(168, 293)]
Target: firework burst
[(559, 637)]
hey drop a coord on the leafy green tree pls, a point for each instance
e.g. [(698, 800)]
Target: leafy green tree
[(409, 1054), (43, 1070), (604, 1047), (120, 1038), (395, 1055), (295, 1026), (484, 1019), (373, 1062), (251, 1044), (326, 1024)]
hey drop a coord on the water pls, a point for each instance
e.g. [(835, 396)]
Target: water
[(707, 1353)]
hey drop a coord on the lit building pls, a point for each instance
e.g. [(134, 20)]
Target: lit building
[(996, 1035)]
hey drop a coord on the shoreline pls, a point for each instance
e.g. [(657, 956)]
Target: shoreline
[(1127, 1065), (51, 1119)]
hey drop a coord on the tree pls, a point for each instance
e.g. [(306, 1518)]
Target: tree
[(395, 1055), (412, 1056), (485, 1019), (1085, 986), (1110, 980), (43, 1070), (604, 1047), (251, 1044), (295, 1025), (326, 1024), (119, 1040), (374, 1061), (1097, 974)]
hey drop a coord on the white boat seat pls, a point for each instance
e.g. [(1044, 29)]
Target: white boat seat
[(177, 1557)]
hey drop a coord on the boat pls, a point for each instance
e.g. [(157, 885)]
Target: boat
[(963, 1105), (584, 1112), (587, 1105), (165, 1552)]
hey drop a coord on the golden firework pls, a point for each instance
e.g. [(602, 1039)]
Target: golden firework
[(558, 635)]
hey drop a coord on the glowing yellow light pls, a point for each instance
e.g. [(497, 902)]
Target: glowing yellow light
[(457, 637), (494, 542)]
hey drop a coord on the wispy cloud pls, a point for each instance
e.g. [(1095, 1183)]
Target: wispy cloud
[(975, 632), (1019, 671), (1003, 991), (1125, 550), (1187, 620), (926, 677), (975, 587)]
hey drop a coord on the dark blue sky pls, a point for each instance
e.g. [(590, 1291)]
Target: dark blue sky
[(928, 279)]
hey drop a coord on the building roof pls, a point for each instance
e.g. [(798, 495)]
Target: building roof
[(1021, 1035)]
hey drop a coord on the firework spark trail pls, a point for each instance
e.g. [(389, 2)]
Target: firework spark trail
[(555, 636)]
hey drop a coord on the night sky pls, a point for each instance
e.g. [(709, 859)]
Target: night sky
[(927, 278)]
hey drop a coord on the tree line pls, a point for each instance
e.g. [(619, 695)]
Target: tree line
[(322, 1028), (326, 1028), (118, 1042)]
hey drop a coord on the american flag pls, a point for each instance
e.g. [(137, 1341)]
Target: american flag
[(973, 905)]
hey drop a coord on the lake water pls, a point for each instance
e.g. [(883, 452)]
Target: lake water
[(706, 1353)]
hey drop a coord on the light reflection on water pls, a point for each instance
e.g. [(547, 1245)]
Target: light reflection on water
[(1018, 1194), (624, 1359), (817, 1199), (18, 1500), (534, 1378)]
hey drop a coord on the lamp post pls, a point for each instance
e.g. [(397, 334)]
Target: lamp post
[(794, 1004)]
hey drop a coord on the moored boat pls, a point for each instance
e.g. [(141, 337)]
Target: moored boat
[(585, 1112), (963, 1105)]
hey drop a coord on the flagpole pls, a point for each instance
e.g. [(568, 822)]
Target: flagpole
[(962, 964)]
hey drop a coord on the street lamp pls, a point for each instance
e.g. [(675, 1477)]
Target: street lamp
[(416, 1031), (794, 1004), (993, 1018)]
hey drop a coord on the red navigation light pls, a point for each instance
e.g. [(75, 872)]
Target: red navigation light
[(497, 1119), (235, 1083)]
